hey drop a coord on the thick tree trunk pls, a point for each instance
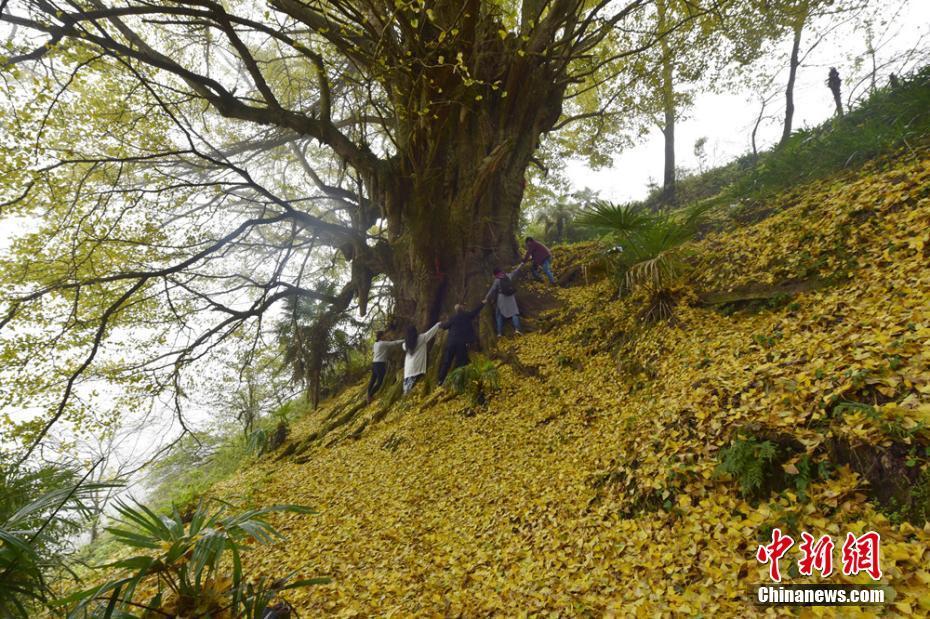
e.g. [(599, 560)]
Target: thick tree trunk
[(454, 226), (792, 77), (448, 256), (755, 130), (452, 195)]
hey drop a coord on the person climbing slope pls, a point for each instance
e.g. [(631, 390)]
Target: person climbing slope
[(541, 258), (461, 333), (415, 345), (506, 301), (379, 362)]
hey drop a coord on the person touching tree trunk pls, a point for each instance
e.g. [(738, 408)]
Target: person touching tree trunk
[(461, 334), (379, 362), (415, 345), (506, 306)]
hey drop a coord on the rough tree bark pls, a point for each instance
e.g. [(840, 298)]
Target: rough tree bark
[(452, 194)]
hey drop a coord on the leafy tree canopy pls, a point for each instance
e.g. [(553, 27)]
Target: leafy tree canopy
[(178, 169)]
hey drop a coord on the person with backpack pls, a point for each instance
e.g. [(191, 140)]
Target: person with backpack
[(415, 345), (461, 333), (379, 362), (541, 258), (506, 291)]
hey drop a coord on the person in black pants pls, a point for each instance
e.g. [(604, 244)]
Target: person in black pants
[(461, 334), (379, 362)]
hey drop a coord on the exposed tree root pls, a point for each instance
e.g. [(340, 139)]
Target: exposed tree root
[(762, 292)]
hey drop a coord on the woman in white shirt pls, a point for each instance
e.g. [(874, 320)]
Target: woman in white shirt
[(415, 359)]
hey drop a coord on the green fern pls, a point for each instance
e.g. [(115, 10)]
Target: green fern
[(745, 460), (478, 380)]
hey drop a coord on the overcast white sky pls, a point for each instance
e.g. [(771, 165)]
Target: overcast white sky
[(726, 120)]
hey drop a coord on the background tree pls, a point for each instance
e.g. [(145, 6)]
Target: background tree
[(816, 19), (770, 75), (834, 83), (694, 50), (312, 340), (556, 219)]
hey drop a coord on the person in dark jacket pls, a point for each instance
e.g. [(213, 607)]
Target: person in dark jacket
[(461, 333), (541, 257)]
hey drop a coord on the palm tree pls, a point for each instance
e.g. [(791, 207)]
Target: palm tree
[(32, 533), (311, 340), (556, 219), (647, 247)]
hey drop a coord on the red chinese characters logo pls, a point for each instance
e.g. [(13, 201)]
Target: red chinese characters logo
[(859, 554), (775, 551), (817, 555)]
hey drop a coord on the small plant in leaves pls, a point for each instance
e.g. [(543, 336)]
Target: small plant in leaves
[(478, 380), (186, 568), (745, 459)]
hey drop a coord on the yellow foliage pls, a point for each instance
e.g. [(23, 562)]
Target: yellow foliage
[(500, 513)]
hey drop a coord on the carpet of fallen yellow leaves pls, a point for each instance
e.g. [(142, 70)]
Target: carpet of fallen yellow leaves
[(590, 488)]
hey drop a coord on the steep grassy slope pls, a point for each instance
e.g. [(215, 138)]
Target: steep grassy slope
[(590, 484)]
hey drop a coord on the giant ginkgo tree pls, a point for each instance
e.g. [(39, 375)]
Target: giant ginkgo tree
[(177, 168)]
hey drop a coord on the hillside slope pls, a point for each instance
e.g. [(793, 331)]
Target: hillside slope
[(589, 484)]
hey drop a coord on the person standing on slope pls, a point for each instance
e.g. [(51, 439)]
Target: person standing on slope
[(379, 362), (415, 359), (541, 258), (506, 291), (461, 333)]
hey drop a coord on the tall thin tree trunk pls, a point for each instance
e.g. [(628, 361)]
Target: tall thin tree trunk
[(871, 52), (668, 104), (755, 129), (668, 178), (792, 77)]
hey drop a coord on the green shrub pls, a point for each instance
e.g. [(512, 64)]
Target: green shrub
[(647, 248), (33, 533), (478, 380), (745, 459), (194, 565)]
